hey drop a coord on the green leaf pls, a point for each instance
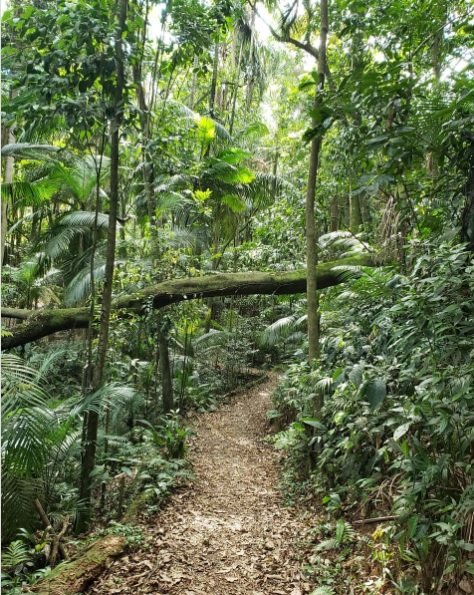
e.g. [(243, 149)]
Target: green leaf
[(235, 204), (314, 423), (469, 567), (375, 391), (234, 155), (401, 431)]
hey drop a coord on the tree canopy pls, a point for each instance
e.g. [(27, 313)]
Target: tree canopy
[(199, 190)]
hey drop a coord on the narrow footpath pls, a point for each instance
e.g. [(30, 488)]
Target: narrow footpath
[(229, 532)]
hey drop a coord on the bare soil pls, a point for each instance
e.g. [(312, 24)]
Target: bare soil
[(229, 533)]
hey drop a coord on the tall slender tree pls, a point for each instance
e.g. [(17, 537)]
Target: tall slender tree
[(311, 231), (92, 419)]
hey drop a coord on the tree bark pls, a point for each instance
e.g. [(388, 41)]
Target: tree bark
[(251, 82), (334, 212), (41, 323), (7, 139), (212, 93), (311, 232), (148, 173), (355, 215), (235, 89), (192, 94), (165, 371), (77, 575), (467, 217)]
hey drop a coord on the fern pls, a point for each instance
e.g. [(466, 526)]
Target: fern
[(345, 533), (16, 553), (327, 545)]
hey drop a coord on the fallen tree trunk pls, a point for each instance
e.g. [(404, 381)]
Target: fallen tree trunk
[(41, 323), (75, 576)]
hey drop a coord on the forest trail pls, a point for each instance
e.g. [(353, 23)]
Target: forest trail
[(229, 532)]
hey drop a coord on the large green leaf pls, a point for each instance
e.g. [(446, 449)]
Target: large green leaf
[(375, 391)]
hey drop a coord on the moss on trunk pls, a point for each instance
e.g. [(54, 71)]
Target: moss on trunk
[(41, 323), (75, 576)]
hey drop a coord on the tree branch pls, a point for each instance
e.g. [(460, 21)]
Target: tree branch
[(41, 323), (18, 313), (307, 47)]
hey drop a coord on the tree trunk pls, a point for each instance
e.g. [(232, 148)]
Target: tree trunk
[(192, 95), (92, 419), (147, 169), (7, 138), (355, 215), (76, 575), (212, 93), (251, 83), (275, 172), (334, 226), (41, 323), (236, 89), (165, 372), (311, 232), (467, 219)]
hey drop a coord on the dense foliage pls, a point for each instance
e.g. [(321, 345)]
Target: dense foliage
[(395, 431), (145, 141)]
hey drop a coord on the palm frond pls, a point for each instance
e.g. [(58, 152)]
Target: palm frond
[(213, 337), (48, 360), (26, 421), (111, 394), (80, 286), (266, 189), (343, 240), (193, 117), (69, 227), (348, 272), (28, 150), (19, 385), (280, 329), (181, 237), (85, 218), (28, 193), (80, 176), (174, 202), (178, 181), (324, 385)]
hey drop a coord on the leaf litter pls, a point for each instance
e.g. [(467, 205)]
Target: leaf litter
[(228, 533)]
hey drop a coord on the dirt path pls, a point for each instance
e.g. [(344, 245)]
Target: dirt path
[(229, 534)]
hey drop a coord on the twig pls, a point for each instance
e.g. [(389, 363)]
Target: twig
[(56, 544), (47, 525), (378, 519)]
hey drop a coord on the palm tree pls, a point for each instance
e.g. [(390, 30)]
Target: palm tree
[(30, 438)]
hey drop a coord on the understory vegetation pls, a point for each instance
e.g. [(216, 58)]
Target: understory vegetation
[(394, 435), (175, 177)]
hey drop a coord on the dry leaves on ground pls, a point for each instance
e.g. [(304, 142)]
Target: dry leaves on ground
[(229, 533)]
